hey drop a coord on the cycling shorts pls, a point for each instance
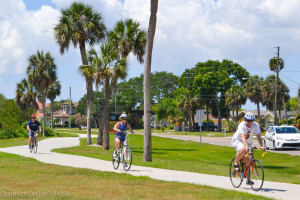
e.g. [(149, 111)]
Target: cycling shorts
[(121, 136), (238, 145), (31, 133)]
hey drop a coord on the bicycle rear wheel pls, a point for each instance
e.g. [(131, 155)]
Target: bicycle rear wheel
[(127, 158), (35, 146), (235, 177), (116, 162), (257, 175)]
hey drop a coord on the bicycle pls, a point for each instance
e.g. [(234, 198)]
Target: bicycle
[(255, 171), (124, 155), (34, 143)]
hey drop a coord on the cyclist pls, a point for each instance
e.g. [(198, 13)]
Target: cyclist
[(121, 127), (32, 126), (242, 140)]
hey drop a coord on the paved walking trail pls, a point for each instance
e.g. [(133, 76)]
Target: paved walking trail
[(270, 189)]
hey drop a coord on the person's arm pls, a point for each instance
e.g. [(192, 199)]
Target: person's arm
[(116, 127), (40, 128), (244, 141), (258, 136), (129, 127), (28, 128)]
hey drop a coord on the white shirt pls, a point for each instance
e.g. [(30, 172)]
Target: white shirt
[(248, 132)]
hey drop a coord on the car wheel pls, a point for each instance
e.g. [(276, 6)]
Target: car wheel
[(274, 146), (265, 143)]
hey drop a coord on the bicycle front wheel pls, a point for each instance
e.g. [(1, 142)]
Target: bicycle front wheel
[(35, 146), (116, 161), (257, 175), (127, 158), (236, 178)]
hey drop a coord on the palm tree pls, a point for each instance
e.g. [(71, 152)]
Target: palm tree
[(235, 97), (41, 73), (127, 36), (253, 90), (276, 64), (81, 24), (26, 96), (52, 92), (147, 72), (108, 69)]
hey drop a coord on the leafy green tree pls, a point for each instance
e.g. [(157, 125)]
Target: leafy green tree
[(166, 109), (11, 118), (80, 24), (210, 81), (52, 92), (41, 73)]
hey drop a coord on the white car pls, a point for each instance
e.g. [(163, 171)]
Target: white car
[(279, 137)]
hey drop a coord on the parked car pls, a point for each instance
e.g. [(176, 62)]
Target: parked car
[(279, 137), (211, 127)]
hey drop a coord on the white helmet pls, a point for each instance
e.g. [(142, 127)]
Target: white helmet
[(249, 116), (123, 115)]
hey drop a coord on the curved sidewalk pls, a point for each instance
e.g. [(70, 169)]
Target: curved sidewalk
[(270, 189)]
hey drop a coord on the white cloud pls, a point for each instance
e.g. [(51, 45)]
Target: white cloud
[(188, 31)]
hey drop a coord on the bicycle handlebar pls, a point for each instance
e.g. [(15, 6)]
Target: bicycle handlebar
[(255, 148)]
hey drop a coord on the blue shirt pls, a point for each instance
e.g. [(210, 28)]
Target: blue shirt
[(33, 125)]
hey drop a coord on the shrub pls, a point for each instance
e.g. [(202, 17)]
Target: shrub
[(6, 134), (171, 127)]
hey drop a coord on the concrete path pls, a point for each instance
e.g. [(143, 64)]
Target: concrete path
[(270, 189), (222, 141)]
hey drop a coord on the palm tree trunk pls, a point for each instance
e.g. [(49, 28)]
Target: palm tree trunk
[(52, 115), (89, 110), (147, 71), (100, 130), (284, 107), (258, 110), (219, 118), (106, 119), (44, 113), (237, 113), (207, 116)]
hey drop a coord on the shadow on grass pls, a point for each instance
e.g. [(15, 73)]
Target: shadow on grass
[(274, 167)]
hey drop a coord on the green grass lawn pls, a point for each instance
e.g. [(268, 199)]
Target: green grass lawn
[(36, 180), (190, 156)]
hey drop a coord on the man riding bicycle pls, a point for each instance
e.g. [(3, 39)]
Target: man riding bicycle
[(242, 140), (32, 127), (120, 128)]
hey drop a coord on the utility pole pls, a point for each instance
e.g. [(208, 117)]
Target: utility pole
[(70, 110), (276, 88)]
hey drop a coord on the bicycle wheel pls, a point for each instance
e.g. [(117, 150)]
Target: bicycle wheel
[(257, 175), (127, 158), (235, 178), (35, 146), (116, 162)]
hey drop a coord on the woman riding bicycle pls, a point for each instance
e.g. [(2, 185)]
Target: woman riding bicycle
[(242, 140), (120, 128)]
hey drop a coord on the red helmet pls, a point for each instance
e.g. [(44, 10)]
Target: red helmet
[(33, 116)]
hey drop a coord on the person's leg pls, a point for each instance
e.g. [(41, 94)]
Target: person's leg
[(29, 140), (37, 137), (118, 142)]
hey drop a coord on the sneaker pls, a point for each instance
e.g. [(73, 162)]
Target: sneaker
[(249, 182), (125, 164), (29, 146), (115, 155)]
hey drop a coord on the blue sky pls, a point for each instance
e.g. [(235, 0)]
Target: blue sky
[(188, 31)]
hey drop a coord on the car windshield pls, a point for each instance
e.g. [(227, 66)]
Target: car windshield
[(287, 130)]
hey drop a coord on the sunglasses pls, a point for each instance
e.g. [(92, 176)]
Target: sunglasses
[(124, 119), (249, 120)]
